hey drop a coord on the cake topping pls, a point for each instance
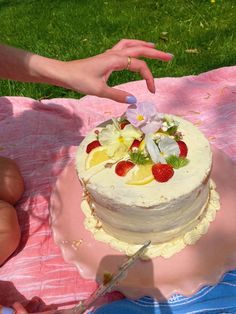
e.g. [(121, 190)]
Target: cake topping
[(162, 172), (141, 175), (161, 148), (141, 137), (96, 156), (92, 145), (123, 167), (183, 149), (135, 144), (177, 162), (145, 117), (123, 122), (118, 141)]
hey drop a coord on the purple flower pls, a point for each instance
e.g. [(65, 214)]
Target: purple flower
[(145, 117)]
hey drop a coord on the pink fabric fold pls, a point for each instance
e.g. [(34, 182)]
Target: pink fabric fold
[(41, 136)]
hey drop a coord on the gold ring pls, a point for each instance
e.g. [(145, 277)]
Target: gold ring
[(129, 63)]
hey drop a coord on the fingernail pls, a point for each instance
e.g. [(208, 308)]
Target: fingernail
[(131, 100), (151, 43), (7, 310), (171, 55)]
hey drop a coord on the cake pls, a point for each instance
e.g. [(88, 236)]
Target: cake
[(146, 176)]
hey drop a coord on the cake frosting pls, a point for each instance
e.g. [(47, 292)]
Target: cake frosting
[(124, 211)]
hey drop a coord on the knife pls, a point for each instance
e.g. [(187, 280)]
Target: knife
[(103, 288)]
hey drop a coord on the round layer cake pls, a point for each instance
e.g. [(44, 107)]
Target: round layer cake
[(161, 205)]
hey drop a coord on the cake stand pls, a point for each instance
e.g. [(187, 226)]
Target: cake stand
[(185, 272)]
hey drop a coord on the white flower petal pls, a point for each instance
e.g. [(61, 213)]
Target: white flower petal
[(151, 127), (108, 135), (153, 150), (168, 146)]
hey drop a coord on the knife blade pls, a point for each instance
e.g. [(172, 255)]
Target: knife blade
[(103, 288)]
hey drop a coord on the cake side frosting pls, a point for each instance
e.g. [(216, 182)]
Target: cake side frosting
[(166, 249)]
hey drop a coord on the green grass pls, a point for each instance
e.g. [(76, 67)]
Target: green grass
[(201, 34)]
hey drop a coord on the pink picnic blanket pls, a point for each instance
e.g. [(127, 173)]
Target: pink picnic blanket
[(41, 137)]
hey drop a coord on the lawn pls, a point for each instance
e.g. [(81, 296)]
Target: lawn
[(201, 34)]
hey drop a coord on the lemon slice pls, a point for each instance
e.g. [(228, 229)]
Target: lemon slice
[(96, 156), (141, 175)]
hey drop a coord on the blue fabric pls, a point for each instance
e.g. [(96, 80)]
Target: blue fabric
[(217, 299)]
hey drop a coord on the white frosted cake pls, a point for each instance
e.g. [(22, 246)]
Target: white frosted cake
[(146, 176)]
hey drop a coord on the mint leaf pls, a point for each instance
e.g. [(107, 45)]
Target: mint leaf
[(139, 158), (172, 130), (177, 162), (123, 119)]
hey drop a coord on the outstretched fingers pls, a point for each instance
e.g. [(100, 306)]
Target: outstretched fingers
[(146, 52), (126, 43), (141, 67), (134, 65)]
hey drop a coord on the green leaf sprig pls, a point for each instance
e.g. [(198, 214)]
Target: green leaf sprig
[(177, 162), (139, 158)]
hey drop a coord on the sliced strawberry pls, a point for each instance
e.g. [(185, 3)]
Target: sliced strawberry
[(162, 172), (92, 145), (183, 148), (123, 124), (135, 143), (123, 167)]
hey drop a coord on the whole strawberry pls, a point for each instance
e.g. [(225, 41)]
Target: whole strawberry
[(183, 148), (123, 167), (162, 172), (92, 145)]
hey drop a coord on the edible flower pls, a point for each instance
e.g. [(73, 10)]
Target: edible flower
[(161, 150), (118, 141), (145, 117)]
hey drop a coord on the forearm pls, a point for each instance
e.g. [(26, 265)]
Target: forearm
[(17, 64), (88, 76)]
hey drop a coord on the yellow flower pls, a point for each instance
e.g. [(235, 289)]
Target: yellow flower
[(117, 141)]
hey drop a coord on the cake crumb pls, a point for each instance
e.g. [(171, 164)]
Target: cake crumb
[(76, 243), (98, 224), (211, 138), (107, 277), (110, 164)]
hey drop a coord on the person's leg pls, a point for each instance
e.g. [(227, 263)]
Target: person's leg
[(11, 190), (9, 231), (11, 181)]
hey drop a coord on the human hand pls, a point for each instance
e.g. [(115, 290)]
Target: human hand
[(90, 75), (34, 305)]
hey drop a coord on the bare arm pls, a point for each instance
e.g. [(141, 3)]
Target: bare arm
[(17, 64), (88, 76)]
